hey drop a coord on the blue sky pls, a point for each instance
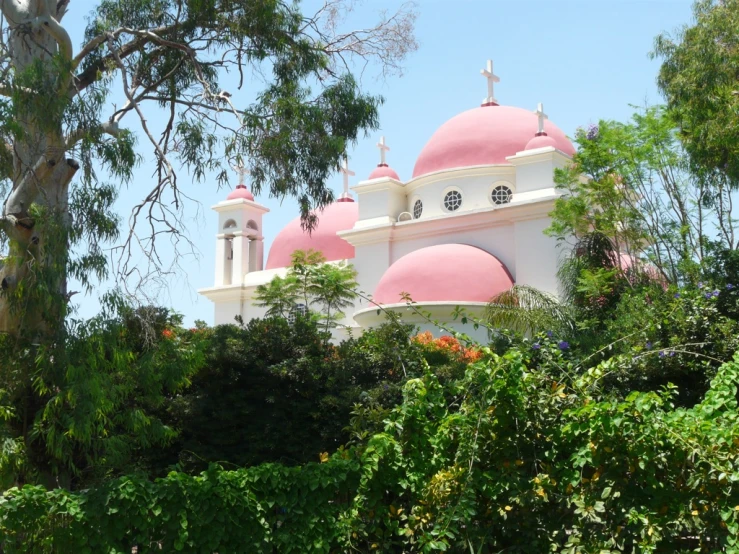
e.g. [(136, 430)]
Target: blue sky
[(585, 60)]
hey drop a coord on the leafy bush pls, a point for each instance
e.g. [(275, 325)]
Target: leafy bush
[(527, 458)]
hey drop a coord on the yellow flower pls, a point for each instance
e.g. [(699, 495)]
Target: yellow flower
[(694, 512), (323, 457), (508, 508)]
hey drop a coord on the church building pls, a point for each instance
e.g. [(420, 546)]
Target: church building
[(467, 225)]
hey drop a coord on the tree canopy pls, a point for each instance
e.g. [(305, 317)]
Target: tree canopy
[(60, 132)]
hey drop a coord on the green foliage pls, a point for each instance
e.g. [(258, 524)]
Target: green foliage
[(310, 281), (82, 409), (524, 309), (526, 458), (698, 78)]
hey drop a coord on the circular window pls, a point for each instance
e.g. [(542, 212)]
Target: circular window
[(501, 194), (452, 200), (297, 311), (417, 209)]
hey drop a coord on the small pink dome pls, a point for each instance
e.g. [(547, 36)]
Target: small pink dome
[(339, 216), (541, 141), (384, 171), (484, 136), (447, 272), (240, 192)]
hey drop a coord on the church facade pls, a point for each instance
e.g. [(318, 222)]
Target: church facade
[(466, 226)]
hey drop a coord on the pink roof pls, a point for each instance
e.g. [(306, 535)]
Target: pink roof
[(444, 273), (383, 171), (240, 192), (339, 216), (541, 141), (484, 136)]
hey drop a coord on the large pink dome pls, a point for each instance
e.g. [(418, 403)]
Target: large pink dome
[(484, 136), (444, 273), (336, 217)]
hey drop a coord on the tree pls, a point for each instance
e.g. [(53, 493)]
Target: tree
[(334, 288), (173, 55), (698, 79), (528, 310), (641, 193), (311, 281)]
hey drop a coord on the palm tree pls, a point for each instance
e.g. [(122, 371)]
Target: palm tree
[(528, 310)]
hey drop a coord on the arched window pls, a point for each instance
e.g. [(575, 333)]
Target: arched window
[(230, 224), (251, 224), (452, 200)]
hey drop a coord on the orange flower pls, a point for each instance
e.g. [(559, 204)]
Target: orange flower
[(167, 334)]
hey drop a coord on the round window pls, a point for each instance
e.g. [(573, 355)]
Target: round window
[(297, 311), (452, 200), (501, 194), (417, 209)]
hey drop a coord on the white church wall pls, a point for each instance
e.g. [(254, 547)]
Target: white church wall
[(536, 255), (380, 202), (371, 261), (498, 240), (225, 312), (474, 185)]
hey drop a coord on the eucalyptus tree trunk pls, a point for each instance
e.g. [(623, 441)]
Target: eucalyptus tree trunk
[(35, 214)]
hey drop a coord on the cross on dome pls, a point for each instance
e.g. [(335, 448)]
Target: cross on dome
[(542, 116), (383, 148), (492, 78), (241, 170), (346, 195)]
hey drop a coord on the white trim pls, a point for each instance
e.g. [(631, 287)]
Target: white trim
[(461, 172)]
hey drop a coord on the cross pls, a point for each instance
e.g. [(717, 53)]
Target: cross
[(347, 173), (241, 170), (492, 79), (383, 148), (542, 116)]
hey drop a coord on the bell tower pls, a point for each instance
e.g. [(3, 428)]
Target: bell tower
[(239, 241)]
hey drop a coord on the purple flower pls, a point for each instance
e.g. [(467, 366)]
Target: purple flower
[(677, 295), (708, 295), (592, 132), (649, 345), (536, 346), (672, 353), (550, 334), (716, 293), (662, 354), (729, 286), (563, 345)]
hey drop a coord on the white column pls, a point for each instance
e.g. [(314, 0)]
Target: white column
[(220, 260), (241, 258)]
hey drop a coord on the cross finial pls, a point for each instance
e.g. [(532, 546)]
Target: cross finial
[(241, 170), (383, 148), (492, 79), (346, 195), (542, 116)]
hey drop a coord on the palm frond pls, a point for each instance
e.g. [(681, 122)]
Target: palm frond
[(528, 310)]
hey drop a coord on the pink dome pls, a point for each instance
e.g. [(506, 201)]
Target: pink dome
[(484, 136), (541, 141), (240, 192), (444, 273), (339, 216), (383, 171)]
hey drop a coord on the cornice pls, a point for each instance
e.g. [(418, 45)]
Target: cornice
[(535, 208), (380, 184), (459, 173)]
